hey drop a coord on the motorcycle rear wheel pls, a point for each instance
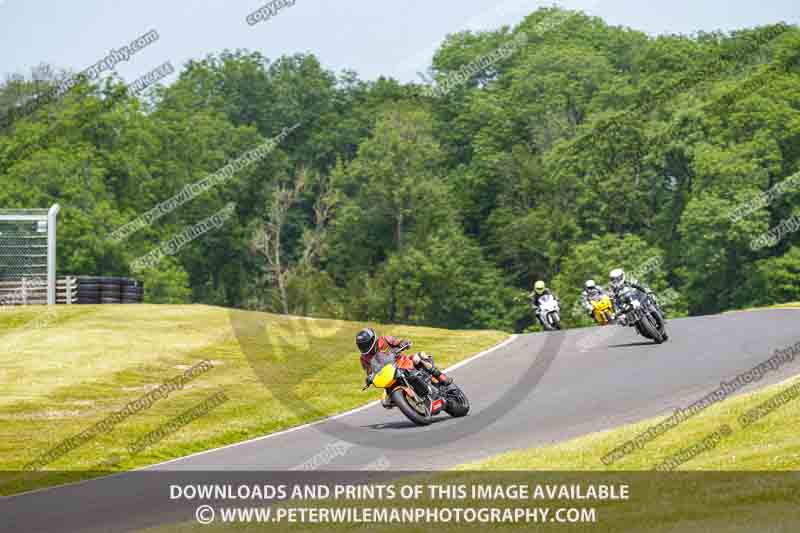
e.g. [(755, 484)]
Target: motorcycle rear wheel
[(456, 402), (399, 399)]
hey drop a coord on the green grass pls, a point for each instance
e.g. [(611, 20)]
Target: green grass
[(770, 444), (790, 305), (63, 371)]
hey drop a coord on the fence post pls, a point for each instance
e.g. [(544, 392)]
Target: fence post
[(51, 254)]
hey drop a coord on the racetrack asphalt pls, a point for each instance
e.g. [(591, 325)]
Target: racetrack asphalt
[(575, 382)]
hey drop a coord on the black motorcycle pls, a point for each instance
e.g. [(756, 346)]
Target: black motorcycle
[(641, 311)]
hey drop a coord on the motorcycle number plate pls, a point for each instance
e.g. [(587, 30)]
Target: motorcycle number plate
[(437, 406)]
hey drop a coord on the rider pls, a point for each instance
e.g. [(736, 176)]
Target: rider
[(539, 290), (619, 282), (591, 291), (370, 344)]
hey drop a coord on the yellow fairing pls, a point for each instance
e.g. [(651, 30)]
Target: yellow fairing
[(603, 309), (384, 378)]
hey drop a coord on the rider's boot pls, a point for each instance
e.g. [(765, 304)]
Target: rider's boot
[(386, 402), (444, 379)]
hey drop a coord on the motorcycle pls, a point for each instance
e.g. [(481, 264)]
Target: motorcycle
[(549, 313), (639, 310), (415, 391), (602, 310)]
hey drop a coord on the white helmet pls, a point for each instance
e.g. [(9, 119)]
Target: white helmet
[(617, 277), (590, 284)]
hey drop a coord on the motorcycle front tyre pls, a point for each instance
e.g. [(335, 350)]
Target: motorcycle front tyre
[(399, 399), (652, 331)]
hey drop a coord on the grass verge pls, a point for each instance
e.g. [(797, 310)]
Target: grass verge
[(746, 492), (768, 444), (64, 370)]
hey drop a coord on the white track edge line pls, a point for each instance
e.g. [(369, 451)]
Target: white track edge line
[(326, 419)]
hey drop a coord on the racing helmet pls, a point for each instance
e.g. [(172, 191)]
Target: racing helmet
[(366, 340), (539, 287), (590, 285), (617, 278)]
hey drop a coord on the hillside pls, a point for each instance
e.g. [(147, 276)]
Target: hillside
[(555, 150), (65, 372)]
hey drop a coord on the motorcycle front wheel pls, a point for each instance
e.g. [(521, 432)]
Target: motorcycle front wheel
[(400, 400), (651, 330), (661, 325)]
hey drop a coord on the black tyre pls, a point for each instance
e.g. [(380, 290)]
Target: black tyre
[(456, 402), (107, 280), (92, 294), (661, 325), (399, 399), (650, 329)]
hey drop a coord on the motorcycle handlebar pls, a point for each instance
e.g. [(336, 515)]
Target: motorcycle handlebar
[(403, 347)]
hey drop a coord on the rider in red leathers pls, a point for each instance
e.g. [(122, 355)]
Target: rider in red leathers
[(370, 344)]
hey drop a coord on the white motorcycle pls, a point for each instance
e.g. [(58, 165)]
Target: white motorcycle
[(549, 313)]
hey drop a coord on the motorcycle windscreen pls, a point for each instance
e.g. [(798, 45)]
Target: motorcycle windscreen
[(380, 360), (385, 377)]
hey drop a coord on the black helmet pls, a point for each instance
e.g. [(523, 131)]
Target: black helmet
[(365, 340)]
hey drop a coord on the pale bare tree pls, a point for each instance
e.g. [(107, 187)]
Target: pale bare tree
[(324, 208), (268, 236)]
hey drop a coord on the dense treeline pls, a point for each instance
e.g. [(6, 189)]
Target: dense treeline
[(587, 148)]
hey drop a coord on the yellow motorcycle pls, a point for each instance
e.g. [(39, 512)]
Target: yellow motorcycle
[(602, 310)]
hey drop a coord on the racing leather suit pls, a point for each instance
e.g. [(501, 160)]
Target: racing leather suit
[(385, 343)]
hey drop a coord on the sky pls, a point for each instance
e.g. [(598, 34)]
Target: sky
[(372, 37)]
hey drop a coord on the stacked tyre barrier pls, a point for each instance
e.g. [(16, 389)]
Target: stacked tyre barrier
[(108, 290)]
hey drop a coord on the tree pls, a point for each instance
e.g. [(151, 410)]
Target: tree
[(778, 278), (396, 193)]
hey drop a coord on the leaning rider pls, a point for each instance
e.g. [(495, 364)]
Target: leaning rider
[(370, 344), (539, 290), (591, 291), (619, 283)]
